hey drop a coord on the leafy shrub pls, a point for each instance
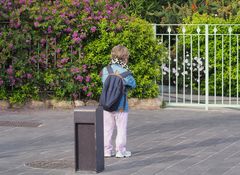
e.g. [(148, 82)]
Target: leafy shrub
[(56, 49), (145, 53), (218, 46)]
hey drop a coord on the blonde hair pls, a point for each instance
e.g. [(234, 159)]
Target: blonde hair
[(120, 53)]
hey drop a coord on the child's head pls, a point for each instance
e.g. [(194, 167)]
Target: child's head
[(120, 53)]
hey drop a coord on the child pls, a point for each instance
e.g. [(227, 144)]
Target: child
[(118, 118)]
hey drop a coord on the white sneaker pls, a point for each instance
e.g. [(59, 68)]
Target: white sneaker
[(111, 154), (120, 154)]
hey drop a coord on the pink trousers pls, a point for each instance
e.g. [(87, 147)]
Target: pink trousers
[(112, 120)]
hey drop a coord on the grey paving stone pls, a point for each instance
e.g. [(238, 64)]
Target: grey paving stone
[(166, 142)]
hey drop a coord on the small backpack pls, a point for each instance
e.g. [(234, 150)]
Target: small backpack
[(113, 90)]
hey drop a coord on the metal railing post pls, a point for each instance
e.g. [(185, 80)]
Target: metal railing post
[(155, 30), (206, 67)]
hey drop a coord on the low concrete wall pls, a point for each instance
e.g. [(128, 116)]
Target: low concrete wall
[(4, 105), (134, 103), (147, 104)]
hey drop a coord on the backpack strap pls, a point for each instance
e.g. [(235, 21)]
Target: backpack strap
[(109, 69), (124, 75)]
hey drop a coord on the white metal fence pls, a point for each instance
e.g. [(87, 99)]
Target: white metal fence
[(202, 67)]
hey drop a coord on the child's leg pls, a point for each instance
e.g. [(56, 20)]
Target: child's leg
[(121, 123), (109, 124)]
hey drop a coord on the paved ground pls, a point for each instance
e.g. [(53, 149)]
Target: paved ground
[(164, 142)]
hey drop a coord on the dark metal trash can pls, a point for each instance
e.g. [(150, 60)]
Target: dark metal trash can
[(89, 146)]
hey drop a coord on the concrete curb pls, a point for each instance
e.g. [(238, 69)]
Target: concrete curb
[(134, 103)]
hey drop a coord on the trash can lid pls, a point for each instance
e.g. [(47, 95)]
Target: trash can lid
[(86, 109)]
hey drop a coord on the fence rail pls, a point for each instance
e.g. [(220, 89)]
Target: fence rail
[(202, 67)]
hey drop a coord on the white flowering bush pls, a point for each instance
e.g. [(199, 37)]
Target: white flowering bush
[(193, 69)]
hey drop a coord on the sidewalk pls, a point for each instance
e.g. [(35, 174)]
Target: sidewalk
[(163, 142)]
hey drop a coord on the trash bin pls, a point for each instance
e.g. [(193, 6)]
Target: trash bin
[(89, 143)]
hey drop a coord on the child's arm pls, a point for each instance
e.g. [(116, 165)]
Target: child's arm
[(104, 74), (130, 81)]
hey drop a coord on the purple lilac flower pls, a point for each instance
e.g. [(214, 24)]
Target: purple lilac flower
[(71, 15), (58, 50), (40, 60), (107, 6), (85, 19), (39, 18), (33, 60), (85, 88), (36, 24), (77, 40), (57, 2), (75, 34), (12, 80), (1, 82), (62, 15), (113, 21), (84, 66), (68, 30), (29, 76), (75, 70), (54, 11), (17, 25), (48, 18), (89, 94), (42, 55), (74, 52), (93, 29), (59, 65), (22, 1), (117, 4), (12, 22), (49, 29), (76, 3), (96, 17), (45, 9), (88, 79), (83, 35), (64, 60), (43, 41), (54, 40), (10, 46), (67, 21), (100, 17), (79, 78), (109, 12), (87, 10), (90, 18)]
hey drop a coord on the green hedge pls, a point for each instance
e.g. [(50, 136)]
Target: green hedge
[(192, 29), (57, 49)]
